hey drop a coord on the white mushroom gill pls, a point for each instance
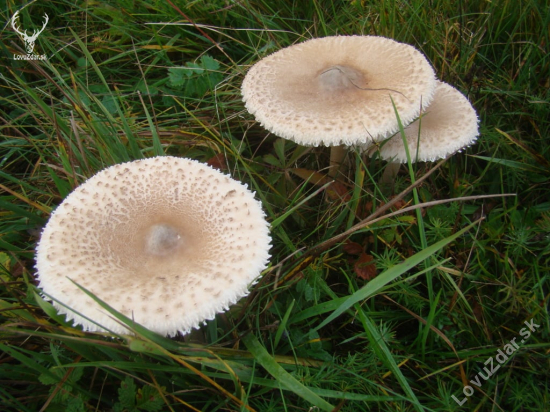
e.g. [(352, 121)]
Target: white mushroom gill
[(167, 241)]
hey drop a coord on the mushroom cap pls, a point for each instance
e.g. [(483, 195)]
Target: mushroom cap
[(336, 90), (168, 242), (449, 124)]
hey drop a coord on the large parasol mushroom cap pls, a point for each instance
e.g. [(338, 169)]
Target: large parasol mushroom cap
[(168, 242), (337, 90), (449, 124)]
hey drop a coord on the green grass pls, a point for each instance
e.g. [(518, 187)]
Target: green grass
[(132, 79)]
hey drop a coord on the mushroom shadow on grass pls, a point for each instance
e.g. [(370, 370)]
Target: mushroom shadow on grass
[(337, 91), (449, 124), (166, 241)]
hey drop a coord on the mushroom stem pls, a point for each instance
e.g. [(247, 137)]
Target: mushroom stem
[(337, 155), (389, 175)]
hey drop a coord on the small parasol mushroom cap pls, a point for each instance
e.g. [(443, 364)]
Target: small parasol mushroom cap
[(336, 90), (168, 242), (449, 124)]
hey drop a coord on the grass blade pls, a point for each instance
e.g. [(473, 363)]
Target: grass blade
[(384, 278), (384, 353), (286, 380)]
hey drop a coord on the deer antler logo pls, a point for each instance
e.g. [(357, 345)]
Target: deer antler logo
[(29, 40)]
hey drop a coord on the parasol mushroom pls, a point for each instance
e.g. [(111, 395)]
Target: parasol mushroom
[(166, 241), (338, 90), (448, 125)]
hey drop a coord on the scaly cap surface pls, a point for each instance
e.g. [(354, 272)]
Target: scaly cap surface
[(449, 124), (336, 90), (169, 242)]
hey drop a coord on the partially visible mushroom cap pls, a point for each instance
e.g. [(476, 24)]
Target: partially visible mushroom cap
[(449, 124), (336, 90), (168, 242)]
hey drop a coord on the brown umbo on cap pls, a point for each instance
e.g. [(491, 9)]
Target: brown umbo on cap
[(168, 242), (337, 90)]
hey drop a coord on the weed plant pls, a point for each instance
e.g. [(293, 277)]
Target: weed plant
[(396, 315)]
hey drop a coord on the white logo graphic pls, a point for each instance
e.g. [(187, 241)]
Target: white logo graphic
[(29, 40)]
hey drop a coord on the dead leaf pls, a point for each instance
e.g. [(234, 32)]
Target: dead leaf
[(353, 248), (336, 190), (400, 204), (313, 177), (365, 267), (478, 311), (217, 162)]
